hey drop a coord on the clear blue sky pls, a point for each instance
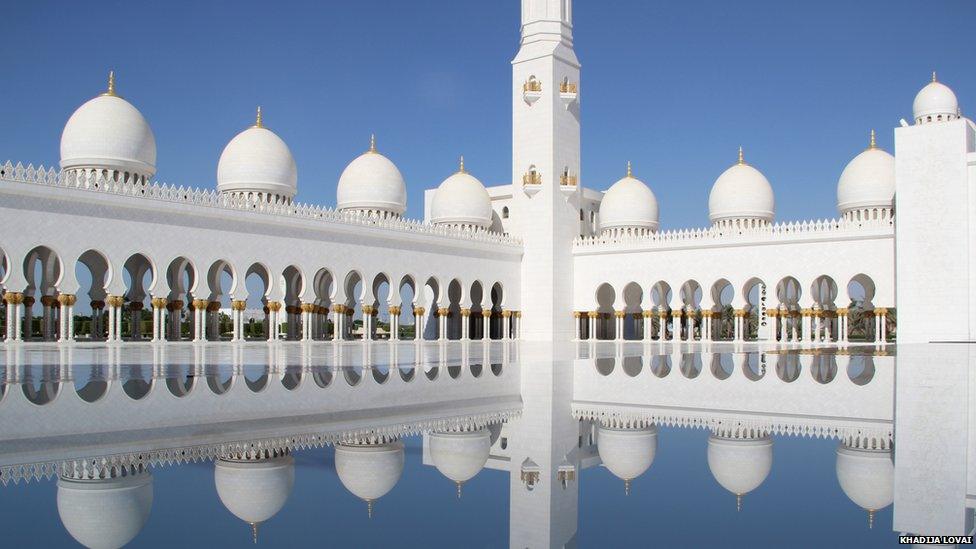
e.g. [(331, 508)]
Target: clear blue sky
[(674, 86)]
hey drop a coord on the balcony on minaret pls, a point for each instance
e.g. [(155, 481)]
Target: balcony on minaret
[(567, 180), (568, 92), (531, 90), (531, 181)]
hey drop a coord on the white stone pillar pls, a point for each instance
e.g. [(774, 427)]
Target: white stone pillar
[(507, 317), (63, 300), (465, 323), (818, 325), (442, 324), (883, 325), (591, 324), (486, 324)]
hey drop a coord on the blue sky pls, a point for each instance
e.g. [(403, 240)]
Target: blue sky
[(675, 87)]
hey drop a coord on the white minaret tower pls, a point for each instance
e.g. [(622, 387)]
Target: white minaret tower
[(545, 165)]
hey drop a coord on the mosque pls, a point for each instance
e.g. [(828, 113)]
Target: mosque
[(542, 258)]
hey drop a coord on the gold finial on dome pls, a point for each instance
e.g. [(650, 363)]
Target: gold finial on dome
[(259, 120), (461, 166), (459, 489), (369, 508), (934, 79), (874, 142), (372, 143), (742, 157), (627, 487), (871, 519), (111, 84), (254, 532), (630, 171), (738, 503)]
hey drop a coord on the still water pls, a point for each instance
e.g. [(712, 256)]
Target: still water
[(476, 445)]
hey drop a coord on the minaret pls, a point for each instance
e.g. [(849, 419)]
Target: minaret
[(545, 146)]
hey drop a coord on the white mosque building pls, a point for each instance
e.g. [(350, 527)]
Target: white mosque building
[(542, 258)]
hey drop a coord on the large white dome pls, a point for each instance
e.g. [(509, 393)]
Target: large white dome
[(867, 477), (868, 181), (372, 183), (627, 453), (257, 161), (105, 513), (461, 200), (107, 132), (254, 490), (629, 203), (459, 456), (741, 192), (369, 471), (935, 102), (740, 465)]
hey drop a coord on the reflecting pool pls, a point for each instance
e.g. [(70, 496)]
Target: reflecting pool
[(484, 444)]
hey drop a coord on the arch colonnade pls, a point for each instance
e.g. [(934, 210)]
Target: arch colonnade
[(724, 313), (185, 303)]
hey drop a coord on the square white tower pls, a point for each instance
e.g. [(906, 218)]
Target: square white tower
[(545, 165)]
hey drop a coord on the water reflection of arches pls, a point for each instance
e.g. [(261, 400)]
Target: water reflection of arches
[(722, 365), (632, 365), (824, 368), (788, 367), (691, 365), (138, 383), (860, 369), (661, 365), (180, 380)]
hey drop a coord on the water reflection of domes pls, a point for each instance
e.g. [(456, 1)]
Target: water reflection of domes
[(738, 463), (627, 452), (368, 470), (254, 489), (459, 456), (867, 477), (105, 513)]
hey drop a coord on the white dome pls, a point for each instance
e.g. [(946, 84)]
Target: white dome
[(369, 471), (461, 200), (372, 182), (257, 160), (254, 491), (741, 192), (108, 132), (627, 453), (868, 181), (934, 100), (629, 203), (867, 477), (460, 456), (740, 465), (105, 513)]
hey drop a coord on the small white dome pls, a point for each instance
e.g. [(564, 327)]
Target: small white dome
[(867, 477), (257, 160), (868, 181), (107, 132), (629, 203), (935, 100), (461, 200), (254, 490), (372, 182), (627, 453), (459, 456), (740, 465), (741, 192), (369, 471), (105, 513)]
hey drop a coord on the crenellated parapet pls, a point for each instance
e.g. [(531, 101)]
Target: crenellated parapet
[(210, 198), (819, 229)]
